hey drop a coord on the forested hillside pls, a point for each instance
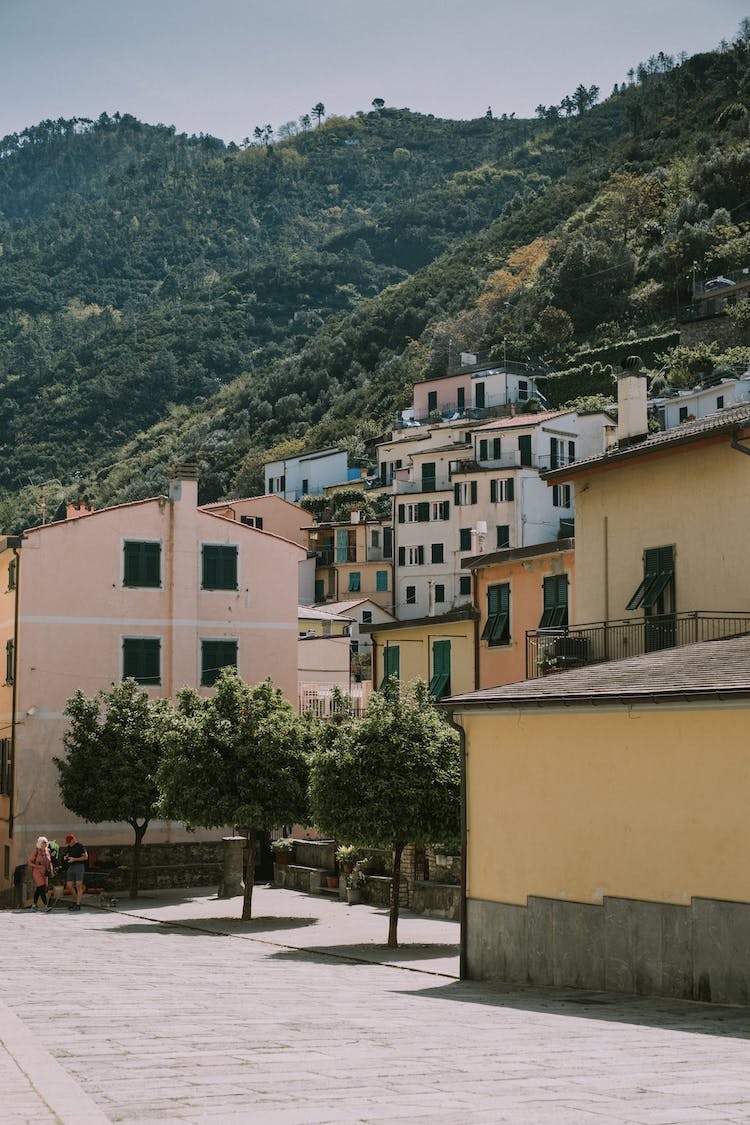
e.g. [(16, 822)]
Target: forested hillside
[(166, 297)]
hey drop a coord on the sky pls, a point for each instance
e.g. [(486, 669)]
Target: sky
[(224, 66)]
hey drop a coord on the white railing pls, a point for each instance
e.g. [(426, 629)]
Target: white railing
[(320, 698)]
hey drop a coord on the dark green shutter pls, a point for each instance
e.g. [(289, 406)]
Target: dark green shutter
[(496, 449), (219, 567), (483, 449), (216, 655), (509, 489), (423, 511), (141, 659), (440, 683), (401, 513), (473, 492), (493, 492), (456, 493), (437, 553), (142, 563), (402, 556)]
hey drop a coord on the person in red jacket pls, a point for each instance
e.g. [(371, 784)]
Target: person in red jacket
[(40, 862)]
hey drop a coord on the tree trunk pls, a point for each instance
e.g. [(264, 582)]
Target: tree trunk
[(135, 869), (395, 897), (247, 902)]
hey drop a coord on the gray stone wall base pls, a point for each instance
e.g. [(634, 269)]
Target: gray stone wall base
[(696, 952)]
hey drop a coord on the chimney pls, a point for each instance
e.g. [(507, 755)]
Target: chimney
[(183, 483), (632, 411), (81, 508)]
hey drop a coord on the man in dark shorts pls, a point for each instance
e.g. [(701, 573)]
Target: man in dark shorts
[(75, 857)]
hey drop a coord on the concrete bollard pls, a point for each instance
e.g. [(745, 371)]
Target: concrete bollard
[(233, 867)]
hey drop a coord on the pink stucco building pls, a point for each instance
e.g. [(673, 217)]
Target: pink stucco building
[(158, 589)]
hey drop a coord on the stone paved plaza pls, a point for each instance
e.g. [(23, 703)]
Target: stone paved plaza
[(172, 1009)]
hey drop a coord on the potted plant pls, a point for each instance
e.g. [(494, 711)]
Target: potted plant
[(356, 881), (346, 857), (283, 850)]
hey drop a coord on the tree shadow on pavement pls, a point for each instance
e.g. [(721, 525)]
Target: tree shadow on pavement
[(372, 954), (688, 1016), (214, 926)]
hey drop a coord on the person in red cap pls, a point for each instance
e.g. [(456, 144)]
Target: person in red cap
[(75, 857)]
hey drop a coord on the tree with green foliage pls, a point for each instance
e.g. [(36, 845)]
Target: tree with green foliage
[(318, 111), (115, 743), (241, 760), (389, 778)]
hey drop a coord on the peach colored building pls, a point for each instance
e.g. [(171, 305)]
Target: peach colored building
[(267, 513), (160, 590), (517, 590)]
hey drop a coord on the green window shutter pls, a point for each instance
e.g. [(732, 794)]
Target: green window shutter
[(439, 592), (496, 449), (354, 577), (141, 660), (524, 448), (402, 556), (402, 513), (219, 567), (420, 555), (440, 683), (391, 664), (483, 449), (493, 492), (381, 581), (554, 602), (437, 553), (216, 655), (473, 492), (503, 535), (142, 563), (446, 509), (658, 572), (320, 589), (509, 489), (342, 545), (465, 539), (10, 662), (464, 584), (456, 493), (428, 476), (423, 511), (497, 627)]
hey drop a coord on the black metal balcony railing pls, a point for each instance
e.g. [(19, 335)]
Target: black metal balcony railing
[(554, 650)]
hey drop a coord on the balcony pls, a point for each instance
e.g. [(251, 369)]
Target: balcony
[(555, 650)]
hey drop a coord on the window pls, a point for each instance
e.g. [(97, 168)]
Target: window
[(216, 655), (381, 581), (554, 454), (305, 486), (4, 766), (719, 402), (502, 491), (439, 593), (497, 628), (561, 496), (683, 414), (437, 553), (375, 539), (465, 492), (440, 510), (656, 591), (411, 595), (142, 563), (354, 577), (367, 617), (555, 603), (320, 589), (489, 449), (571, 452), (503, 535), (431, 401), (414, 513), (252, 521), (523, 390), (428, 476), (219, 567), (464, 584), (479, 398), (391, 664), (464, 540), (524, 449), (440, 682), (411, 556), (10, 662), (387, 547), (141, 659), (461, 398), (483, 449), (12, 574)]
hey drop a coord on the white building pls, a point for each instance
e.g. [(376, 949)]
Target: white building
[(308, 474), (691, 406)]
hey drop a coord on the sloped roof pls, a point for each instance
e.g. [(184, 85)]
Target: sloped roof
[(518, 421), (728, 420), (711, 671)]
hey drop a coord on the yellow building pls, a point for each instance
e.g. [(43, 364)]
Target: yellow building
[(607, 835), (608, 840), (439, 650)]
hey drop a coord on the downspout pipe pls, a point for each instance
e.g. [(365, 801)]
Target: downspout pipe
[(14, 543), (462, 911)]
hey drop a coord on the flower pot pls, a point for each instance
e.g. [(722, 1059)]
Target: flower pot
[(282, 858), (332, 881), (347, 868)]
